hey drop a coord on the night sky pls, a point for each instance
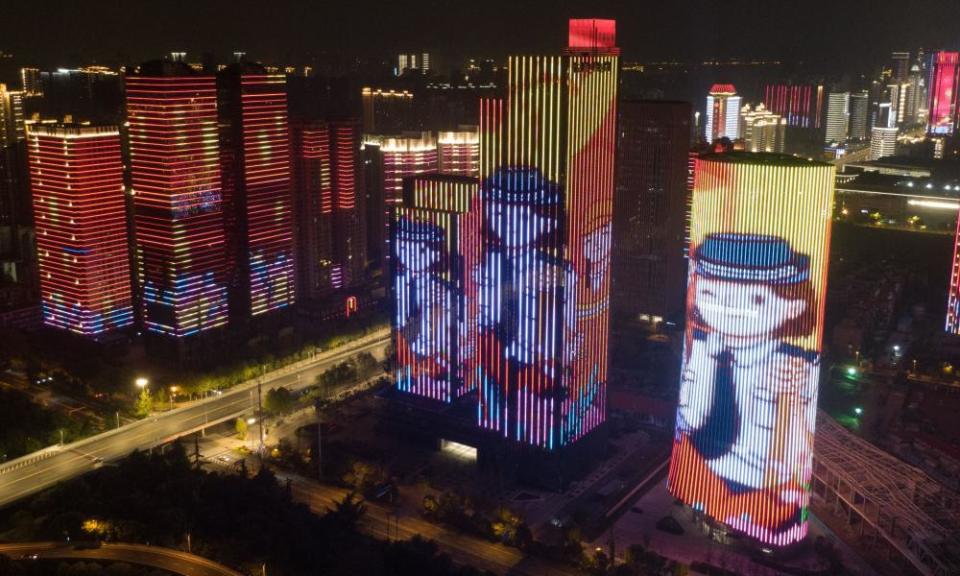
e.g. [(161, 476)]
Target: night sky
[(837, 34)]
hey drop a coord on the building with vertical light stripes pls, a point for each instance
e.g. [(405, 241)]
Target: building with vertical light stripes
[(541, 271), (435, 226), (257, 189), (79, 212), (332, 243), (458, 151), (723, 113), (942, 87), (743, 447), (177, 197)]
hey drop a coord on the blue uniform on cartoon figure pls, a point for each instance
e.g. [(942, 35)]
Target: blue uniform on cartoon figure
[(748, 396)]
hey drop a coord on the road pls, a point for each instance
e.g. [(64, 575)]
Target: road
[(32, 473), (167, 559), (381, 522)]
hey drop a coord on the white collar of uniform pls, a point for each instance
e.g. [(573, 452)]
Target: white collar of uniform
[(743, 356)]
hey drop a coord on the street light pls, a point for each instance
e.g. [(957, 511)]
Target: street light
[(851, 371), (142, 383), (858, 411)]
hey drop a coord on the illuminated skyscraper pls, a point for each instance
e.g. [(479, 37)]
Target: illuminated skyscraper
[(859, 115), (542, 270), (30, 82), (650, 205), (80, 217), (332, 248), (435, 227), (900, 66), (723, 113), (16, 236), (387, 111), (800, 104), (942, 89), (419, 62), (257, 191), (743, 447), (175, 172), (762, 130), (458, 152), (883, 142), (838, 117)]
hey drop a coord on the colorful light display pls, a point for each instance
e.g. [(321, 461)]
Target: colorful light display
[(175, 172), (723, 113), (800, 104), (943, 85), (80, 217), (257, 195), (459, 152), (743, 448), (540, 275), (431, 231)]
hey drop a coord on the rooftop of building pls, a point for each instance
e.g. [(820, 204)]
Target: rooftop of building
[(762, 159)]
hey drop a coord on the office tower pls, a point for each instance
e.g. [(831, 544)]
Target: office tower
[(387, 111), (900, 67), (16, 233), (838, 117), (30, 82), (649, 271), (859, 111), (89, 94), (942, 90), (762, 130), (178, 204), (743, 448), (437, 224), (12, 127), (80, 217), (329, 173), (723, 113), (458, 152), (547, 153), (800, 104), (914, 97), (883, 142), (417, 62), (256, 189)]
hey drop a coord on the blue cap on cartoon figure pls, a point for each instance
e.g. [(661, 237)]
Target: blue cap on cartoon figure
[(418, 230), (521, 185), (750, 258)]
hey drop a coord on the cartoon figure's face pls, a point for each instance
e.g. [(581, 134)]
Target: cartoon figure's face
[(522, 220), (596, 246), (743, 310), (417, 256)]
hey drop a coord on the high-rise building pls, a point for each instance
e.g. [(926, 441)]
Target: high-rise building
[(418, 62), (743, 448), (942, 88), (17, 250), (178, 204), (257, 195), (30, 82), (89, 94), (859, 115), (80, 216), (883, 142), (435, 227), (900, 67), (762, 130), (458, 152), (838, 117), (800, 104), (332, 246), (723, 113), (388, 161), (649, 270), (387, 111), (12, 126), (547, 153)]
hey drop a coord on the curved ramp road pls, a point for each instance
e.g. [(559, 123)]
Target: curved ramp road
[(167, 559), (34, 472)]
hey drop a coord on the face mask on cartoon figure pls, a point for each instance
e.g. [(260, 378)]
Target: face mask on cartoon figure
[(744, 310)]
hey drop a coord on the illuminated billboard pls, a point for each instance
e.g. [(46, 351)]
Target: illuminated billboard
[(432, 334), (743, 447), (943, 92), (540, 277)]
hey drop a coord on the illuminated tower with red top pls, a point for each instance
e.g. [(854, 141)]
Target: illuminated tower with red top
[(541, 271), (175, 171), (76, 178), (257, 189)]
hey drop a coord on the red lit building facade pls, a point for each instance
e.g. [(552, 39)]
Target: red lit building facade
[(942, 88), (329, 181), (800, 104), (178, 204), (79, 212), (257, 189)]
